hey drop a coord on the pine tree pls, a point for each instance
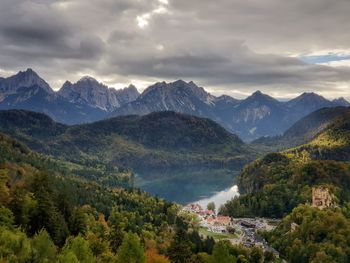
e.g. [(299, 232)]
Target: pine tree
[(131, 250), (180, 248)]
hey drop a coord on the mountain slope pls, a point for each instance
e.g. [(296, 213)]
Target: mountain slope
[(257, 115), (158, 140), (275, 184), (308, 102), (43, 211), (304, 130)]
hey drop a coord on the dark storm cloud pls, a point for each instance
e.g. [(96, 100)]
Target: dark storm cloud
[(229, 46)]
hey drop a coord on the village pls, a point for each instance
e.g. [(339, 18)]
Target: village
[(244, 231), (237, 230)]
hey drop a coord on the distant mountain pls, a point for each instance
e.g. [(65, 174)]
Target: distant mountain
[(26, 90), (304, 130), (305, 104), (341, 102), (178, 96), (257, 115), (24, 79), (155, 141), (88, 91), (88, 100), (248, 118)]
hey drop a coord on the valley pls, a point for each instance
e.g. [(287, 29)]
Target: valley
[(136, 178), (178, 157), (174, 131)]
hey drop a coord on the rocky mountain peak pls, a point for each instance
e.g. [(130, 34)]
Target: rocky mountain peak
[(88, 79), (259, 98), (257, 93), (89, 91), (309, 99), (25, 79), (180, 82), (341, 102)]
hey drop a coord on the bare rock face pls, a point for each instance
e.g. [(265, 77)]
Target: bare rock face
[(341, 102), (178, 96), (21, 81), (26, 90), (88, 91)]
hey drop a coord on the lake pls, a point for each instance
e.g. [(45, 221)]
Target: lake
[(188, 186), (219, 198)]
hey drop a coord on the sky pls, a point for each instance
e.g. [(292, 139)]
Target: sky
[(232, 47)]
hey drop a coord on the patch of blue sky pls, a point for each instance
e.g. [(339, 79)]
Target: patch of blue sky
[(323, 58)]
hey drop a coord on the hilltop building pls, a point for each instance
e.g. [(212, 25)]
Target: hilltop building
[(321, 197)]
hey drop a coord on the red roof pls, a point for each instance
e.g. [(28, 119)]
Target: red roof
[(224, 218)]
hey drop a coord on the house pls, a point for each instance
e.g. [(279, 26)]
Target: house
[(321, 197), (219, 221), (223, 220), (196, 208), (207, 213)]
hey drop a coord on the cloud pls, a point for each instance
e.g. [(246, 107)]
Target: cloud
[(227, 46)]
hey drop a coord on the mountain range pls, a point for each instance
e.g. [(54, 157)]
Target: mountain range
[(85, 101), (88, 100)]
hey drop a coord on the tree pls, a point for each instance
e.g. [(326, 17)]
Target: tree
[(43, 249), (77, 249), (180, 248), (257, 255), (211, 206), (130, 250), (6, 217), (14, 246), (221, 253), (4, 191), (46, 215), (152, 256)]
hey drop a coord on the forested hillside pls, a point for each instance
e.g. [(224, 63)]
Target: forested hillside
[(304, 130), (280, 185), (48, 216), (155, 141), (273, 185), (309, 234)]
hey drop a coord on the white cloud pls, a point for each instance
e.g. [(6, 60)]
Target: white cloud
[(142, 21)]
